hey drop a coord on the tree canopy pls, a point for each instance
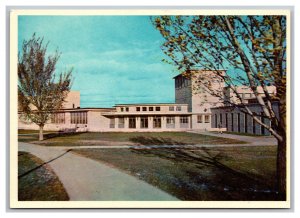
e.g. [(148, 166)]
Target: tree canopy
[(251, 50), (40, 90)]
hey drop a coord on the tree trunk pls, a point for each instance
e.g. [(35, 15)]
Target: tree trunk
[(281, 169), (41, 136)]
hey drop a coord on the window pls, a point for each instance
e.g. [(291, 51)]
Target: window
[(157, 108), (216, 121), (132, 122), (121, 123), (239, 122), (138, 108), (156, 122), (58, 118), (199, 119), (144, 108), (171, 108), (144, 122), (206, 118), (112, 122), (232, 129), (184, 119), (253, 126), (246, 123), (150, 108), (170, 120), (178, 108), (221, 119), (263, 131), (79, 118), (184, 122), (226, 121), (73, 105), (122, 109), (127, 109)]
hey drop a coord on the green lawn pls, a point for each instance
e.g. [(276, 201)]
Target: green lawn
[(123, 138), (243, 134), (38, 183), (219, 173), (28, 131)]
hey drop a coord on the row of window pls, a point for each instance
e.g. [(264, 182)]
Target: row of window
[(79, 118), (76, 118), (203, 119), (144, 122), (147, 108), (171, 108), (58, 118)]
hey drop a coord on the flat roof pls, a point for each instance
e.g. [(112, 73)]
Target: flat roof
[(148, 104), (82, 109), (240, 105), (147, 114)]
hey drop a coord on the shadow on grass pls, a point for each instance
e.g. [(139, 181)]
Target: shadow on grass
[(155, 141), (61, 134), (212, 176)]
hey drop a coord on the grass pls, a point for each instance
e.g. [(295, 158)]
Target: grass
[(243, 134), (38, 183), (123, 138), (219, 173), (29, 131)]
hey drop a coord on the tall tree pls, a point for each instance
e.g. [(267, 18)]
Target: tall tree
[(253, 48), (40, 91)]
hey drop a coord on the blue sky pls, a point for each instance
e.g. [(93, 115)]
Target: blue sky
[(116, 59)]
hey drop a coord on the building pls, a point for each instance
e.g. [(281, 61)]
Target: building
[(194, 109), (199, 100), (232, 119)]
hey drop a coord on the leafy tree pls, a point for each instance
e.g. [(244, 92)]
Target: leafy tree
[(252, 48), (40, 92)]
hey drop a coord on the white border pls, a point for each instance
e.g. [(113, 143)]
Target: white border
[(14, 203)]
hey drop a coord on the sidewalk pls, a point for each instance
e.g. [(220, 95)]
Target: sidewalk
[(88, 180), (251, 140)]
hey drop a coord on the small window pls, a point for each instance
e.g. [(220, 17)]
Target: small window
[(178, 108), (121, 122), (73, 105), (170, 120), (171, 108), (184, 119), (138, 108), (206, 118), (112, 123), (157, 108), (144, 108), (132, 123), (199, 119), (127, 109), (122, 109), (150, 108), (157, 122)]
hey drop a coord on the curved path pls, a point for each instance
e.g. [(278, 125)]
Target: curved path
[(88, 180)]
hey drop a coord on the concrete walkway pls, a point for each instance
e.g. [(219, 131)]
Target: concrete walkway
[(251, 140), (88, 180)]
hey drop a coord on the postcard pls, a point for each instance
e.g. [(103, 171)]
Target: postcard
[(163, 108)]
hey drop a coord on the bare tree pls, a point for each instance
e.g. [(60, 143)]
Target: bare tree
[(40, 92), (252, 48)]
